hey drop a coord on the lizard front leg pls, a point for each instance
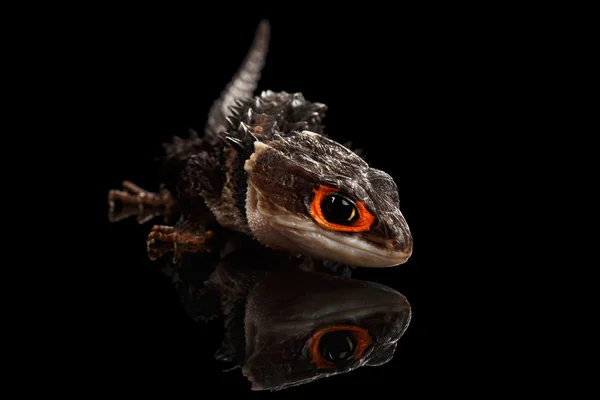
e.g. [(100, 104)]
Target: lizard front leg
[(139, 202), (163, 239)]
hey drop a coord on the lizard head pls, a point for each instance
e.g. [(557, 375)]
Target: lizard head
[(311, 195), (301, 327)]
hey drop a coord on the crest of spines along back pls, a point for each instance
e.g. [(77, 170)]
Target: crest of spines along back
[(270, 116)]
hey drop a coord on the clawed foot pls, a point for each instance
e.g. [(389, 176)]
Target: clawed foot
[(139, 202), (163, 239)]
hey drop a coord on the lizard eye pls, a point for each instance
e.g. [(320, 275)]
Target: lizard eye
[(339, 209), (335, 345), (333, 210)]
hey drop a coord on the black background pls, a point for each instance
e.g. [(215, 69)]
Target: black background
[(414, 88)]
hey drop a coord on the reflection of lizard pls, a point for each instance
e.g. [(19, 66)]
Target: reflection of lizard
[(264, 168), (289, 321)]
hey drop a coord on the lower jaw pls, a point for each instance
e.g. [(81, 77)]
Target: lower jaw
[(362, 259)]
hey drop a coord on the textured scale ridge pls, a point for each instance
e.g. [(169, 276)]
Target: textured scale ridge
[(272, 116), (199, 157), (243, 83)]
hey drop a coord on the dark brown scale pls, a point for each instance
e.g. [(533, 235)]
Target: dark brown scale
[(272, 114), (180, 154)]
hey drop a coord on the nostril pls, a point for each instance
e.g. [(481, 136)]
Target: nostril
[(393, 244)]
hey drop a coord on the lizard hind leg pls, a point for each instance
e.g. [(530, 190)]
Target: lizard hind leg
[(135, 201), (163, 239)]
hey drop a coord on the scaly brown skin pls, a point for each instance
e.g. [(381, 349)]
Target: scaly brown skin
[(163, 239), (138, 202)]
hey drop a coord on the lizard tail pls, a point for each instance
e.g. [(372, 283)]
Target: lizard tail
[(243, 83)]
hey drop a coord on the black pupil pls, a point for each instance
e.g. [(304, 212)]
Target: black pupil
[(337, 346), (339, 210)]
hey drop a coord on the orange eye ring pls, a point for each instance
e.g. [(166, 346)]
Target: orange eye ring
[(363, 223), (361, 335)]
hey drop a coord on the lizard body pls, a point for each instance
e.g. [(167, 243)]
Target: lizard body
[(265, 168)]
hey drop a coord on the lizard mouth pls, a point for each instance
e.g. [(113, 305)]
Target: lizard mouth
[(339, 247), (280, 229)]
